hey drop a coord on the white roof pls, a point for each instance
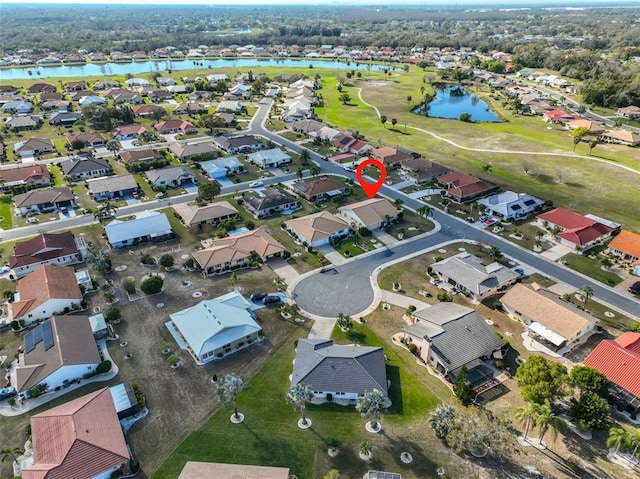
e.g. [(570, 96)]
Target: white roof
[(220, 164), (97, 322), (546, 333), (213, 323), (267, 156), (146, 223)]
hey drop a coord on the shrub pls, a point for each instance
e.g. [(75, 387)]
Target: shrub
[(147, 259), (439, 258), (152, 285), (413, 348), (444, 297), (134, 466), (137, 390), (167, 261), (364, 231), (129, 284), (103, 367), (112, 313), (190, 263)]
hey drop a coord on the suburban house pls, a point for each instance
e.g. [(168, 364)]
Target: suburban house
[(272, 158), (89, 140), (147, 226), (619, 360), (87, 427), (594, 127), (44, 199), (320, 189), (467, 273), (23, 122), (137, 82), (626, 245), (238, 92), (216, 77), (339, 373), (632, 112), (158, 96), (348, 144), (558, 116), (511, 206), (574, 230), (217, 327), (462, 188), (194, 216), (318, 229), (46, 291), (230, 106), (111, 187), (92, 100), (20, 107), (373, 213), (185, 152), (41, 88), (238, 251), (621, 137), (237, 144), (33, 147), (170, 177), (129, 132), (228, 119), (449, 336), (56, 352), (270, 201), (175, 126), (36, 174), (79, 169), (217, 470), (133, 156), (104, 84), (389, 156), (306, 126), (552, 322), (65, 118), (57, 249), (421, 171), (222, 167), (61, 106)]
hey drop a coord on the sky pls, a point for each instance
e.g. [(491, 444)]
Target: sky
[(449, 3)]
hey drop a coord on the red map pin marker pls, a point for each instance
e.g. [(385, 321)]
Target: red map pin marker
[(371, 188)]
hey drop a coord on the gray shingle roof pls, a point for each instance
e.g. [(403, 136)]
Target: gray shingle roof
[(269, 198), (75, 166), (171, 173), (328, 367)]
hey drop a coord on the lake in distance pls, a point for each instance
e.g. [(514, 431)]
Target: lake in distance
[(452, 101)]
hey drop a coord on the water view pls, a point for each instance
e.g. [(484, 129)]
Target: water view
[(452, 101), (134, 68)]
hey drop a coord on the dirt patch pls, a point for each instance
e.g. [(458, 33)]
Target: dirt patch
[(375, 84)]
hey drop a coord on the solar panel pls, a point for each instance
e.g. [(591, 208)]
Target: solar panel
[(529, 202), (47, 335), (29, 343)]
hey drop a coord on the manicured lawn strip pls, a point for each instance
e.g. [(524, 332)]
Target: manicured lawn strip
[(348, 246), (591, 267), (5, 211), (56, 175)]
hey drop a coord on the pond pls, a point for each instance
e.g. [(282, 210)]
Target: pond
[(452, 101)]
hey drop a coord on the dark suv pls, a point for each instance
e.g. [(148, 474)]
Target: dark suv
[(635, 288), (271, 299), (257, 296)]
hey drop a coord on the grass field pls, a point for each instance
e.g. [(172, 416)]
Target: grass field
[(592, 268)]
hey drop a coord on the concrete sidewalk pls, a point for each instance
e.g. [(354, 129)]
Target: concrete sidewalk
[(401, 300)]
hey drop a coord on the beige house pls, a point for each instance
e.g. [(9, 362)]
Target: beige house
[(217, 470), (318, 229), (197, 216), (238, 251), (621, 137), (373, 213), (552, 322)]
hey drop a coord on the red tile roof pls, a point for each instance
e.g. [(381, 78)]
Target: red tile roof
[(619, 360), (627, 242), (79, 439), (578, 229), (43, 248), (29, 173)]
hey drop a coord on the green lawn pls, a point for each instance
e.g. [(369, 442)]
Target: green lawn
[(347, 248), (6, 223), (592, 268)]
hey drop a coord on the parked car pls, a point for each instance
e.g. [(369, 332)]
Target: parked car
[(256, 184), (257, 296), (635, 288), (7, 392), (484, 218), (271, 299)]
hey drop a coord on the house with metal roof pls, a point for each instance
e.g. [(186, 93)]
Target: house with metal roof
[(56, 352), (215, 328), (147, 226), (449, 336), (468, 274), (339, 373)]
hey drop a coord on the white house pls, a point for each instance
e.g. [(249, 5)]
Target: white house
[(511, 206), (221, 167), (215, 328), (274, 157), (137, 82), (92, 100), (147, 226), (57, 249)]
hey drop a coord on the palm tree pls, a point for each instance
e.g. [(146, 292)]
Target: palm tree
[(365, 448), (618, 438), (113, 146), (525, 414), (304, 157), (228, 389), (586, 294), (383, 120), (12, 452), (106, 210), (472, 206), (592, 144), (425, 210), (234, 280), (370, 404), (299, 395), (495, 253), (487, 168), (441, 419), (344, 321), (300, 172), (100, 259), (394, 121), (315, 170), (544, 419), (634, 441)]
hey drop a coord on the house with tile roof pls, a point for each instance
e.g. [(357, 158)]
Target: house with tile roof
[(421, 171), (175, 126), (92, 140), (44, 200), (81, 168), (619, 360), (468, 274), (35, 174), (463, 188), (133, 156), (80, 438), (389, 156), (318, 229), (217, 470), (621, 137), (46, 291), (215, 328), (552, 322), (449, 336), (632, 112), (110, 187), (594, 127), (129, 132), (41, 87), (56, 352), (574, 230), (238, 251), (319, 189), (58, 249), (509, 205), (373, 213), (194, 216), (269, 201), (339, 373), (626, 245), (146, 226), (170, 177)]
